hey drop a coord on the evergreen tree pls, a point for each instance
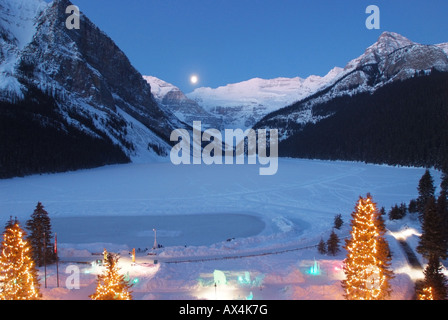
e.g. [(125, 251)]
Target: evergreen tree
[(374, 128), (383, 245), (338, 222), (322, 247), (398, 212), (426, 191), (444, 183), (434, 286), (41, 235), (111, 285), (413, 207), (333, 244), (426, 293), (432, 241), (28, 145), (18, 274), (442, 208), (367, 266), (403, 209), (394, 213)]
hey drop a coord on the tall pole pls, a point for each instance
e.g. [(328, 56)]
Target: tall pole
[(155, 238)]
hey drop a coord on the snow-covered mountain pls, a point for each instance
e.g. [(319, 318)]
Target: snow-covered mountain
[(241, 105), (245, 104), (172, 98), (392, 58), (96, 88), (17, 27), (237, 105), (395, 58), (98, 93)]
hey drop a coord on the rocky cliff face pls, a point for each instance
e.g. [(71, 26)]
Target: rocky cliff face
[(17, 27), (394, 57), (173, 99), (95, 85)]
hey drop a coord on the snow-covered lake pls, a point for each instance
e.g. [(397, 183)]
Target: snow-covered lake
[(275, 220), (170, 230), (303, 194)]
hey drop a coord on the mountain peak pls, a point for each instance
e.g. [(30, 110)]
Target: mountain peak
[(159, 88), (392, 35), (393, 40), (387, 43)]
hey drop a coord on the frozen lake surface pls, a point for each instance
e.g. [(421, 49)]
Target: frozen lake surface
[(276, 222), (171, 230), (201, 205)]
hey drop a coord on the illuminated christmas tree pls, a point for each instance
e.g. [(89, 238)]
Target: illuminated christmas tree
[(18, 274), (111, 285), (426, 294), (434, 286), (368, 256)]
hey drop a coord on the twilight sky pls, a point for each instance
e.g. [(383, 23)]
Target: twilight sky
[(228, 41)]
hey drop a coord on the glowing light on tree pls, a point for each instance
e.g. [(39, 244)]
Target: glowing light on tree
[(434, 286), (427, 294), (111, 284), (18, 274), (368, 260)]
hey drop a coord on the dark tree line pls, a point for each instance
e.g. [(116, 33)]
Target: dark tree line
[(35, 138), (433, 244), (403, 123), (432, 211)]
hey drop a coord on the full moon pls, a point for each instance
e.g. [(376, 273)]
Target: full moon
[(194, 79)]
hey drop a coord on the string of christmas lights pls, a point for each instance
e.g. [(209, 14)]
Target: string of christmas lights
[(367, 276), (426, 294), (111, 285), (18, 274)]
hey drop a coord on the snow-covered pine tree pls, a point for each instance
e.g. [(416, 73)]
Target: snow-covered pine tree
[(40, 235), (18, 274), (111, 285), (367, 264)]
